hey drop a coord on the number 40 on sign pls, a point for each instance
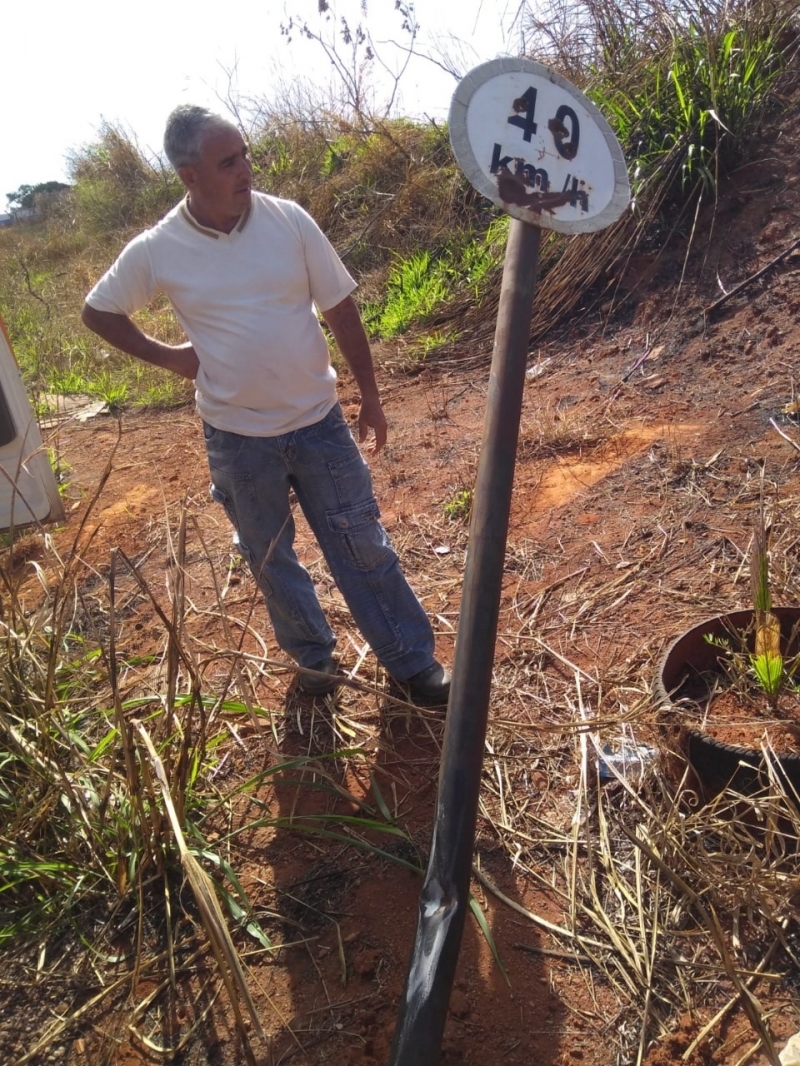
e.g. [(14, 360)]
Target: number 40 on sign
[(531, 142)]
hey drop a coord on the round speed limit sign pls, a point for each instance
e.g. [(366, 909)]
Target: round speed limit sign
[(537, 147)]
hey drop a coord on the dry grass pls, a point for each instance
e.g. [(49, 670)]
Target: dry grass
[(666, 905), (669, 907)]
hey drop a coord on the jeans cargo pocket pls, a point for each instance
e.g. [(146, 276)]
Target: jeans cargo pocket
[(348, 470), (222, 497), (363, 538), (242, 495)]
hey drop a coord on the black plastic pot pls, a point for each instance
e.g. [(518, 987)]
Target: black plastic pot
[(679, 679)]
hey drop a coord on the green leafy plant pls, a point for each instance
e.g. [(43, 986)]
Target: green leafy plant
[(61, 468), (110, 389), (416, 286), (689, 121), (428, 343), (425, 281)]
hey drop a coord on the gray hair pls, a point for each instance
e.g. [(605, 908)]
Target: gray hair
[(186, 127)]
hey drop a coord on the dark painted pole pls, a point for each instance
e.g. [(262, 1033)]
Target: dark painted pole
[(445, 893)]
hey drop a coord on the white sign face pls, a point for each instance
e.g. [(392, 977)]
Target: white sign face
[(533, 144), (28, 489)]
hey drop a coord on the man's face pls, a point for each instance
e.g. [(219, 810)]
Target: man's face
[(220, 181)]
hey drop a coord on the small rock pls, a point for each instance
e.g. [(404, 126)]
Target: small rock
[(459, 1005), (366, 963)]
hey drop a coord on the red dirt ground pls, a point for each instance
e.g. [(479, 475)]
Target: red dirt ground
[(632, 511)]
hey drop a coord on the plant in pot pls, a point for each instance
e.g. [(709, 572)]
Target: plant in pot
[(726, 690)]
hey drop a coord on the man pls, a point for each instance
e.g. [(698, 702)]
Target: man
[(244, 272)]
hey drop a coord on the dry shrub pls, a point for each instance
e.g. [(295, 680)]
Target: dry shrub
[(117, 187), (379, 189)]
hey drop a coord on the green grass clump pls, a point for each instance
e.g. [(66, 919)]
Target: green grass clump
[(685, 87), (458, 507), (416, 286), (689, 122), (427, 344), (78, 830), (421, 284)]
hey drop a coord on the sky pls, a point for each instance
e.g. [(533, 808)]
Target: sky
[(67, 66)]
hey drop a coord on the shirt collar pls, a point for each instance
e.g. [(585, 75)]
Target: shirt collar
[(187, 215)]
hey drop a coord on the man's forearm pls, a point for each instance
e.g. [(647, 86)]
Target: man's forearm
[(344, 322), (120, 332), (348, 331)]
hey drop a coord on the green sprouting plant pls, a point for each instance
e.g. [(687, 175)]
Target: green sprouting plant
[(69, 381), (420, 284), (337, 151), (431, 342), (766, 663), (459, 507), (172, 391), (766, 660), (43, 407), (416, 286), (770, 667), (479, 257), (148, 386), (271, 157)]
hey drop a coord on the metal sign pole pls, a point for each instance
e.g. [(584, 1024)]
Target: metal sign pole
[(445, 893), (535, 146)]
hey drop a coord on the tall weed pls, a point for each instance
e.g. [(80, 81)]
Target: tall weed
[(684, 86)]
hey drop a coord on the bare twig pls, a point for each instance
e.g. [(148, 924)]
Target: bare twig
[(753, 277), (785, 436)]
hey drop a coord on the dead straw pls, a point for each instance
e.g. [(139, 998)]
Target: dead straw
[(211, 915)]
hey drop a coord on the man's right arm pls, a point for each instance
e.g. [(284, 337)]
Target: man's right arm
[(120, 332)]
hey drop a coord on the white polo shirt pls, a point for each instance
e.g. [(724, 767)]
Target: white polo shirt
[(246, 301)]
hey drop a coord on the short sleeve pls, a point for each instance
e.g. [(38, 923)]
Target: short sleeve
[(129, 285), (329, 280)]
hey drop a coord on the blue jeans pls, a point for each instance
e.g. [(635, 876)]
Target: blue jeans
[(252, 477)]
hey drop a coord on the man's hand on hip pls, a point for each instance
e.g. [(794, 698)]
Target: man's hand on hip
[(122, 333), (184, 361)]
